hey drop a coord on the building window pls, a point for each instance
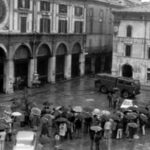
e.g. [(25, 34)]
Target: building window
[(23, 24), (62, 26), (78, 27), (148, 53), (62, 9), (128, 51), (148, 74), (24, 4), (78, 11), (44, 6), (45, 25), (129, 31)]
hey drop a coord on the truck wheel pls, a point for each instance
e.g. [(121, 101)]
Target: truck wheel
[(103, 89), (125, 94)]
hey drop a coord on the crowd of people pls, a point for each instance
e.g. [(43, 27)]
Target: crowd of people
[(62, 123)]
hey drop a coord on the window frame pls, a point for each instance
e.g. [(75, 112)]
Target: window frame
[(59, 9), (128, 45), (80, 12), (148, 74), (80, 25), (26, 4), (148, 53), (47, 3), (23, 16), (129, 31), (64, 29), (45, 21)]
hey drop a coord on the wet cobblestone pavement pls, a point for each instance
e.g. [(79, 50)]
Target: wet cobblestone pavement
[(81, 92)]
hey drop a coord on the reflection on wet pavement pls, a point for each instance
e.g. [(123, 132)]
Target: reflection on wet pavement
[(82, 92)]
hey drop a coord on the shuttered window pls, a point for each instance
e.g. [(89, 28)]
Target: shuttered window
[(78, 27), (23, 24), (62, 26), (45, 25), (24, 4), (78, 11), (44, 6), (62, 9)]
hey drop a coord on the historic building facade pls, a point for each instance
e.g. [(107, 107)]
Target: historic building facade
[(131, 43), (44, 37), (99, 29)]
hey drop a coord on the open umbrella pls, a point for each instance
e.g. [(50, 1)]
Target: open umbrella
[(16, 114), (106, 112), (131, 115), (144, 118), (96, 111), (61, 120), (96, 128), (143, 110), (35, 111), (132, 124), (77, 109), (133, 108)]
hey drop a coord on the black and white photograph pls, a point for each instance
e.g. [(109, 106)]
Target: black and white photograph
[(74, 74)]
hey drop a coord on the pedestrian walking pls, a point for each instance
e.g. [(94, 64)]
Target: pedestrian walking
[(107, 129), (97, 138), (114, 129), (44, 129), (91, 133), (109, 97), (119, 129), (62, 130), (9, 132)]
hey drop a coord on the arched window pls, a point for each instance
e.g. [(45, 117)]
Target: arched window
[(129, 31)]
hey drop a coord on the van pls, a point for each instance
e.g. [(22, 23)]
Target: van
[(128, 87)]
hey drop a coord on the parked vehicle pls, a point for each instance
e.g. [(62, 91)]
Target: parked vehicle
[(107, 83), (25, 140)]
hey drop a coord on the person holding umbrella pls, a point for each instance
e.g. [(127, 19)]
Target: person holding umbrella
[(143, 120), (95, 136)]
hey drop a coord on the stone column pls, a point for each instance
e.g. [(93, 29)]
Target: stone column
[(30, 72), (82, 64), (9, 76), (51, 69), (67, 66)]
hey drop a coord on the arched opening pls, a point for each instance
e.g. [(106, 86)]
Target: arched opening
[(42, 63), (21, 63), (75, 71), (2, 62), (127, 71), (60, 61)]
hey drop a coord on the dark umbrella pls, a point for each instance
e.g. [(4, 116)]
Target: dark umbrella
[(132, 124), (143, 110), (131, 115), (133, 108), (144, 118), (61, 120), (115, 117)]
